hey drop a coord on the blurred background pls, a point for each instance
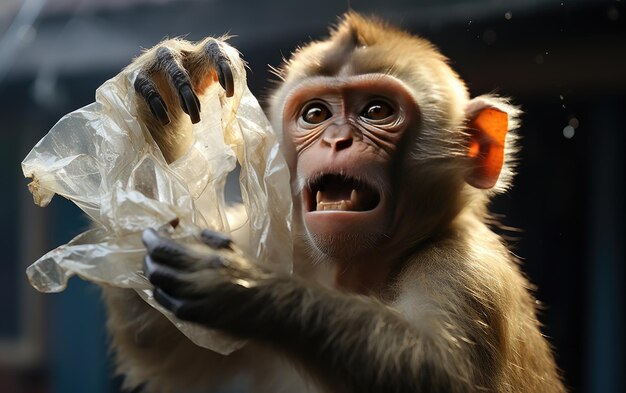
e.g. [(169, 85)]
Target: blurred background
[(563, 61)]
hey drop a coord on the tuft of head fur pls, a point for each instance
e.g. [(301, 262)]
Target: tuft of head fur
[(347, 50)]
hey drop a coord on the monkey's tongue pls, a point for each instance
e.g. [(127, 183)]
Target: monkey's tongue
[(323, 202)]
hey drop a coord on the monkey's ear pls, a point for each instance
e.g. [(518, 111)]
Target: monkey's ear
[(487, 128)]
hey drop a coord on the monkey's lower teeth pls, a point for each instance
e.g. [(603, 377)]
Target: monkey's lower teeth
[(344, 205)]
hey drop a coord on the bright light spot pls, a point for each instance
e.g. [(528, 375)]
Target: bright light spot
[(561, 97), (574, 122), (546, 52), (568, 132), (508, 15)]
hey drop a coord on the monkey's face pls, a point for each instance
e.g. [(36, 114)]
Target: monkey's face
[(345, 133)]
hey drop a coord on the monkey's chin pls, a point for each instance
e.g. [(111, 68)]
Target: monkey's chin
[(342, 234)]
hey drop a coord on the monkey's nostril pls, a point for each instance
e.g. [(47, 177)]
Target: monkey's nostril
[(342, 143)]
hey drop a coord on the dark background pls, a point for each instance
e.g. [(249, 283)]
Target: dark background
[(564, 62)]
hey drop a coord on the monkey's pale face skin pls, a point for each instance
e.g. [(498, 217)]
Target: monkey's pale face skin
[(345, 133)]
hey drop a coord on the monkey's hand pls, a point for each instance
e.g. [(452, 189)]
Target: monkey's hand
[(209, 283), (171, 77)]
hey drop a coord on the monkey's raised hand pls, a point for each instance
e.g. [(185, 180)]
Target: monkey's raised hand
[(187, 71), (171, 77)]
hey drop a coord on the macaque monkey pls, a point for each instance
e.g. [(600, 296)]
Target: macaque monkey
[(399, 285)]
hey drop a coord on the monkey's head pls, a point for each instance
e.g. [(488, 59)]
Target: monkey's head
[(384, 145)]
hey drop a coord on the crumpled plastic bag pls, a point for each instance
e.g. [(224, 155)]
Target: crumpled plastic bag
[(105, 161)]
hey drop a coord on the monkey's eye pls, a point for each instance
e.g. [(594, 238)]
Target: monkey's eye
[(315, 113), (377, 110)]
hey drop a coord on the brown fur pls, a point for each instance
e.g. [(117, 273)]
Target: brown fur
[(453, 280)]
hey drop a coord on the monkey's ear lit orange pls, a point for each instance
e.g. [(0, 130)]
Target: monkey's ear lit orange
[(487, 129)]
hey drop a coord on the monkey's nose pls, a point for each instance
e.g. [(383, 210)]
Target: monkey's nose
[(341, 143), (338, 136)]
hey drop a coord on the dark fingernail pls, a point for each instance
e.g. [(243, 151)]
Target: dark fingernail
[(220, 78), (159, 110), (190, 103), (225, 77), (215, 239)]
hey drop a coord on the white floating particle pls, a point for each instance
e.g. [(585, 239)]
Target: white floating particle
[(568, 132), (508, 15)]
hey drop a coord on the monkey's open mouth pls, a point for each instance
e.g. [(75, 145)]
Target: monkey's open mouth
[(342, 193)]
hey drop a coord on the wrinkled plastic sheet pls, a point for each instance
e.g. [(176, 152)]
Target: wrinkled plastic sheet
[(104, 160)]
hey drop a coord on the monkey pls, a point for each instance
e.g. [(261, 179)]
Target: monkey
[(399, 284)]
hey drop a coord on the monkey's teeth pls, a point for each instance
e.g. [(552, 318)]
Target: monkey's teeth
[(342, 205), (354, 198)]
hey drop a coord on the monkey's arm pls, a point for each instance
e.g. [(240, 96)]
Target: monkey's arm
[(350, 343), (150, 351)]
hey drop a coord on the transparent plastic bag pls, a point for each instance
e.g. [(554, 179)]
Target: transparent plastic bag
[(104, 160)]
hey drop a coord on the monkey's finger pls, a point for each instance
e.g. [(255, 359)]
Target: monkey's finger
[(170, 302), (177, 282), (216, 240), (163, 277), (181, 82), (147, 89), (180, 282), (222, 65), (166, 250), (225, 77), (202, 310), (190, 102)]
